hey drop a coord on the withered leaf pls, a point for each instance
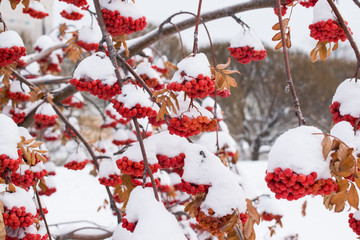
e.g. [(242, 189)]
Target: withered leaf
[(323, 52), (339, 207), (353, 197), (303, 208), (159, 92), (248, 228), (343, 185), (14, 3), (2, 225), (279, 45), (326, 145), (26, 4), (276, 37), (276, 27), (252, 211), (336, 45), (12, 187), (339, 197)]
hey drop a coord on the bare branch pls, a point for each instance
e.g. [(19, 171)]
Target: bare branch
[(45, 53), (47, 81), (357, 2)]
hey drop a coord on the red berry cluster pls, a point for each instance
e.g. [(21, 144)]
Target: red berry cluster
[(74, 165), (134, 168), (215, 224), (172, 162), (35, 14), (283, 10), (7, 163), (68, 102), (245, 55), (40, 125), (137, 111), (25, 180), (47, 192), (88, 46), (71, 16), (18, 117), (128, 225), (224, 93), (164, 188), (10, 55), (308, 3), (17, 96), (138, 182), (153, 122), (199, 87), (191, 188), (109, 125), (151, 82), (265, 216), (78, 3), (160, 70), (30, 236), (45, 211), (121, 143), (337, 117), (17, 217), (112, 180), (118, 25), (53, 67), (292, 186), (96, 88), (45, 119), (354, 224), (327, 31), (186, 127), (123, 121)]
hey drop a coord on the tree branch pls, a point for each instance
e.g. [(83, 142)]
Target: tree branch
[(357, 2), (47, 81), (45, 53)]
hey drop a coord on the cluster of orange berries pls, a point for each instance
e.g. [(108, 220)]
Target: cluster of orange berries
[(7, 163), (354, 224), (17, 217), (78, 3), (186, 127), (112, 180), (289, 185), (88, 46), (47, 192), (17, 96), (10, 55), (136, 111), (69, 102), (27, 179), (118, 25), (128, 225), (124, 142), (247, 54), (123, 121), (96, 88), (74, 165), (337, 117), (327, 31), (74, 16), (265, 216), (18, 117), (35, 14), (191, 188), (44, 119), (171, 162), (308, 3), (134, 168), (198, 87)]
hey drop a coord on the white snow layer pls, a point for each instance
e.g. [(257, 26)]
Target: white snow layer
[(46, 109), (20, 198), (9, 39), (300, 150), (90, 34), (9, 137), (126, 9), (208, 140), (322, 12), (247, 37), (348, 95), (132, 95)]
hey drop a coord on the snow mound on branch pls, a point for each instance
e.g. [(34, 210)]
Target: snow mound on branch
[(78, 156), (270, 205), (38, 6), (20, 198), (226, 142), (154, 222), (348, 95), (107, 167), (45, 109), (77, 98), (345, 132), (203, 167), (9, 137), (124, 134), (90, 34), (126, 9), (145, 68), (72, 8), (44, 42), (192, 66), (322, 12), (17, 86), (31, 69), (9, 39), (144, 123), (300, 149), (357, 215), (162, 143), (191, 112), (132, 95), (96, 67), (247, 37), (121, 233)]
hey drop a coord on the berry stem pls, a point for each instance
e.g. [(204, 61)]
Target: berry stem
[(195, 48), (289, 81), (93, 156), (41, 211), (348, 35), (146, 162)]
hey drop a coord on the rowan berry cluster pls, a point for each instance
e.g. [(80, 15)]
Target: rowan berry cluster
[(96, 88), (160, 70), (74, 16), (112, 180), (191, 188), (198, 87), (337, 117), (123, 121), (17, 217), (47, 192), (74, 165), (283, 10), (88, 46), (35, 14), (215, 224), (118, 25), (308, 3), (136, 111), (138, 182), (69, 102), (151, 82), (265, 216), (186, 127), (247, 54), (128, 225), (354, 224), (18, 117), (327, 31), (124, 142), (289, 185), (7, 163), (224, 93), (134, 168), (171, 162), (77, 3), (10, 55), (44, 119), (24, 180), (18, 96)]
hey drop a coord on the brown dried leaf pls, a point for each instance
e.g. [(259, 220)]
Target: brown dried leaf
[(252, 212), (336, 45), (343, 185), (326, 145), (339, 207), (2, 225), (339, 197), (288, 42), (276, 37), (279, 45), (36, 144), (159, 92), (276, 27), (323, 52), (223, 66), (303, 208), (248, 228), (12, 187), (357, 181), (14, 3), (26, 4), (353, 197), (314, 55)]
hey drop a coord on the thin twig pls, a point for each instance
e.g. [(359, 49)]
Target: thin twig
[(357, 2), (41, 211), (348, 35), (46, 81), (146, 162), (24, 80), (180, 39), (93, 156), (289, 80), (94, 104), (196, 32), (45, 53)]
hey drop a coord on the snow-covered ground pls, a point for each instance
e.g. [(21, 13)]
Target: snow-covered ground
[(79, 196)]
